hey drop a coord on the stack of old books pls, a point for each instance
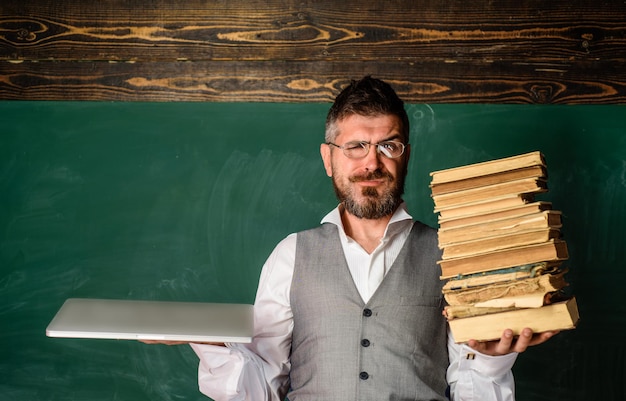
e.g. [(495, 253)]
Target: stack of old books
[(502, 249)]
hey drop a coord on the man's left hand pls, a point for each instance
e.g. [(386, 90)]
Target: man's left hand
[(508, 343)]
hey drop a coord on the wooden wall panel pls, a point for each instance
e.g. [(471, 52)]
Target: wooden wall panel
[(301, 51)]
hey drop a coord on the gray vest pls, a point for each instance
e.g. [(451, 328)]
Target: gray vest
[(392, 348)]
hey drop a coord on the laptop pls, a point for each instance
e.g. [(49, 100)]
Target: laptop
[(153, 320)]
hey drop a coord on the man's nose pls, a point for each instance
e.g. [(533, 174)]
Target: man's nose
[(373, 158)]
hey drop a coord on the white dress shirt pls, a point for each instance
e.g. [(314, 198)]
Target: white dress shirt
[(260, 370)]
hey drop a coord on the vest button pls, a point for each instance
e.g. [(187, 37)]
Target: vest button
[(367, 312), (365, 342), (363, 376)]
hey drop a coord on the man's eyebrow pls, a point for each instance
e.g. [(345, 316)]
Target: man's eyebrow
[(392, 137)]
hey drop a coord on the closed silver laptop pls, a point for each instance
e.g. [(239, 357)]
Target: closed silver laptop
[(153, 320)]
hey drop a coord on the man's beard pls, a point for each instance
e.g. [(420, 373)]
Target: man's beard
[(375, 205)]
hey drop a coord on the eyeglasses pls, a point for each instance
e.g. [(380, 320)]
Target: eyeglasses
[(360, 149)]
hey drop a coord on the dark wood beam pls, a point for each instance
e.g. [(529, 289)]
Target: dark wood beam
[(301, 51), (300, 81)]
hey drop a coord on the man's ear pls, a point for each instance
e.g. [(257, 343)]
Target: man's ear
[(325, 152)]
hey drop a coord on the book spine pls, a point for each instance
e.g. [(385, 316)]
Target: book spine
[(559, 316), (555, 250), (488, 167)]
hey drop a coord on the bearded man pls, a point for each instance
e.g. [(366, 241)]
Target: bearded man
[(352, 309)]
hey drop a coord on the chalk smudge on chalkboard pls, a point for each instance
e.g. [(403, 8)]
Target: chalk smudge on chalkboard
[(259, 199), (422, 118)]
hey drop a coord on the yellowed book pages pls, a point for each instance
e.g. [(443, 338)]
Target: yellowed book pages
[(488, 167), (497, 214), (492, 179), (545, 252), (502, 227), (535, 300), (488, 205), (499, 276), (464, 311), (516, 293), (490, 244), (506, 189), (558, 316)]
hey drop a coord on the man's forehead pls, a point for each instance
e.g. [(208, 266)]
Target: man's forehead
[(386, 125)]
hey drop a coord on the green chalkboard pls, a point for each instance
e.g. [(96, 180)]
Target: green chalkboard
[(184, 201)]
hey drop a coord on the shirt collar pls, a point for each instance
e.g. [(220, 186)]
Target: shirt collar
[(399, 221)]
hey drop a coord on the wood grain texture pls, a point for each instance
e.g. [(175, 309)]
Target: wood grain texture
[(299, 51)]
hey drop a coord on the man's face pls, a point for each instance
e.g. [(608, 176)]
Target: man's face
[(370, 187)]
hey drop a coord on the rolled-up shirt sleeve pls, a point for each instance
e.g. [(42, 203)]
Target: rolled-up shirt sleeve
[(219, 371), (257, 371), (477, 377)]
